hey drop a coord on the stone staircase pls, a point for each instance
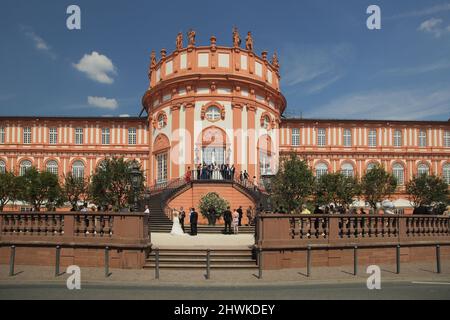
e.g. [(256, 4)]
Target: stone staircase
[(160, 223), (196, 259)]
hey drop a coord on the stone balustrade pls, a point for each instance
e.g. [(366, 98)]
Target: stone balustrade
[(73, 226), (294, 230)]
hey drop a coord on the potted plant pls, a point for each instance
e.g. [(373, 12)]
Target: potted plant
[(212, 207)]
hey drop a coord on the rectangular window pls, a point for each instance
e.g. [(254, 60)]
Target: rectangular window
[(446, 138), (161, 160), (203, 60), (321, 137), (2, 135), (397, 138), (27, 135), (131, 135), (183, 61), (78, 135), (295, 137), (372, 138), (243, 62), (347, 138), (258, 69), (224, 60), (106, 137), (53, 136), (422, 138), (169, 67)]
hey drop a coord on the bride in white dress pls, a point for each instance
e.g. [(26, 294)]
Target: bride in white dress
[(176, 226)]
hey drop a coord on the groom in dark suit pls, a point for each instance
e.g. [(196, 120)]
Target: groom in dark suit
[(193, 219)]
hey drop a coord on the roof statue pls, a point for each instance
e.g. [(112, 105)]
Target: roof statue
[(249, 42), (191, 37), (236, 38), (275, 61), (179, 42)]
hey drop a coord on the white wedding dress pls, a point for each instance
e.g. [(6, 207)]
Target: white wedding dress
[(176, 227)]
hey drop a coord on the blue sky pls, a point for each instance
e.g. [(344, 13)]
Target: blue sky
[(332, 65)]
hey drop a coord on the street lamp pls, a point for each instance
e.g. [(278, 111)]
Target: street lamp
[(136, 179)]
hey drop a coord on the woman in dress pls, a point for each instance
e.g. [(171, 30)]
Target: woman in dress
[(235, 221), (176, 226)]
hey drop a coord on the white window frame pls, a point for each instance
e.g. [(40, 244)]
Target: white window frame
[(398, 171), (161, 168), (372, 138), (321, 137), (447, 138), (27, 135), (446, 173), (213, 113), (347, 170), (423, 168), (132, 136), (78, 169), (79, 135), (295, 137), (53, 135), (422, 138), (52, 167), (398, 142), (2, 166), (24, 166), (321, 169), (2, 135), (106, 136), (347, 137)]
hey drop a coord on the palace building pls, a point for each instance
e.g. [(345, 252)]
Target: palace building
[(222, 105)]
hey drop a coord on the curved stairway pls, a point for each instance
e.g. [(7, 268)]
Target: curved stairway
[(158, 197)]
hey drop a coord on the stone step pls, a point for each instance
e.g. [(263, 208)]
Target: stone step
[(192, 266)]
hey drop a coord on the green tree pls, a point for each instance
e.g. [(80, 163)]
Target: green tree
[(376, 185), (210, 201), (38, 188), (111, 184), (338, 189), (74, 189), (8, 188), (293, 184), (425, 190)]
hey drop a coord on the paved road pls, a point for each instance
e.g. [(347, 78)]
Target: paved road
[(390, 290)]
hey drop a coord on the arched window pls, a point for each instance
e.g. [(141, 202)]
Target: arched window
[(213, 113), (370, 166), (266, 122), (52, 167), (2, 166), (446, 173), (24, 166), (423, 169), (347, 170), (78, 169), (321, 169), (399, 173)]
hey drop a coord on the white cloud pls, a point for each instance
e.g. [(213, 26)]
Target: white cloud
[(39, 42), (314, 68), (434, 27), (388, 104), (423, 12), (103, 103), (420, 69), (97, 67)]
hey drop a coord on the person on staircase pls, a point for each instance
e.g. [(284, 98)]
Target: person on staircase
[(235, 222), (241, 214), (147, 210), (193, 220)]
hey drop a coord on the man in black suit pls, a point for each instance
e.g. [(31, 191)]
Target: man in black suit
[(193, 219), (227, 218), (241, 213)]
